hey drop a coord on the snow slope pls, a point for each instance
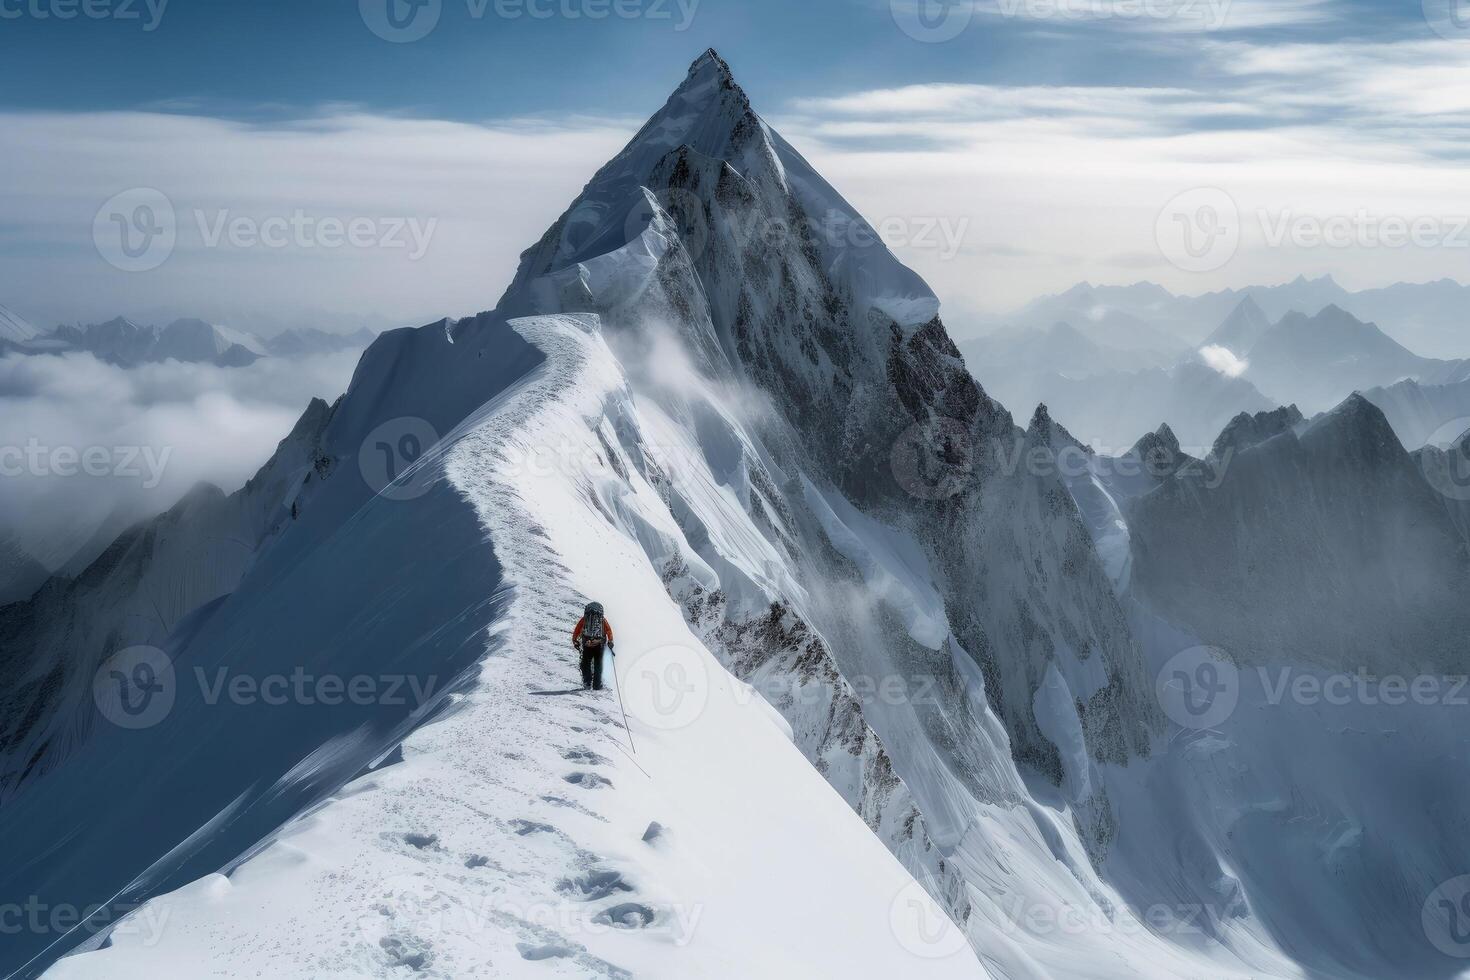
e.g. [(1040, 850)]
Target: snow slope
[(307, 569), (858, 606), (519, 835)]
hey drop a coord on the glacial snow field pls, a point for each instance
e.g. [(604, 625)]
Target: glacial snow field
[(521, 835)]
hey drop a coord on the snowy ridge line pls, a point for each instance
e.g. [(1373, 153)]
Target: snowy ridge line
[(509, 841)]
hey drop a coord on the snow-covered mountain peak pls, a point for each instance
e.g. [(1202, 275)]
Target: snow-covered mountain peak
[(1354, 412), (1356, 428), (1247, 429), (1334, 322), (708, 113), (1161, 439), (195, 339), (1044, 430), (1242, 328), (735, 191), (1248, 307)]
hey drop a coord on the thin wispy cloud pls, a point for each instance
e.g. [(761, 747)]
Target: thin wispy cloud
[(1179, 16), (1422, 79), (161, 428), (1031, 171), (484, 191), (1331, 131)]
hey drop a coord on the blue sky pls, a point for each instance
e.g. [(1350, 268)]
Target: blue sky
[(1050, 138), (244, 58)]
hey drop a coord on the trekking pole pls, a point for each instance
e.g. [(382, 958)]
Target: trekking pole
[(618, 687)]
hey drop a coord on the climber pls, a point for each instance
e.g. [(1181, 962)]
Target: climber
[(592, 634)]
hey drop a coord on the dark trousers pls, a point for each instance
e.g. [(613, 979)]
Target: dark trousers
[(592, 667)]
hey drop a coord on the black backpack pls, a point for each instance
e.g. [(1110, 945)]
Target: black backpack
[(593, 633)]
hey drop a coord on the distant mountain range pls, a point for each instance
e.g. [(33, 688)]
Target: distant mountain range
[(1102, 394), (1245, 325), (127, 343), (122, 342), (1108, 394), (1424, 414), (1319, 360), (1429, 318), (1311, 481)]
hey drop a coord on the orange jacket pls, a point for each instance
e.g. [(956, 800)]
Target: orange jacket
[(607, 632)]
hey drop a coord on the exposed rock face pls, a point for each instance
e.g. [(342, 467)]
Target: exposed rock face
[(1448, 471), (1424, 414), (1245, 431), (1265, 563), (761, 266)]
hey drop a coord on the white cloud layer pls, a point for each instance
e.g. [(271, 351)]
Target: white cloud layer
[(1223, 360), (489, 191), (1053, 184), (1067, 183), (146, 435)]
